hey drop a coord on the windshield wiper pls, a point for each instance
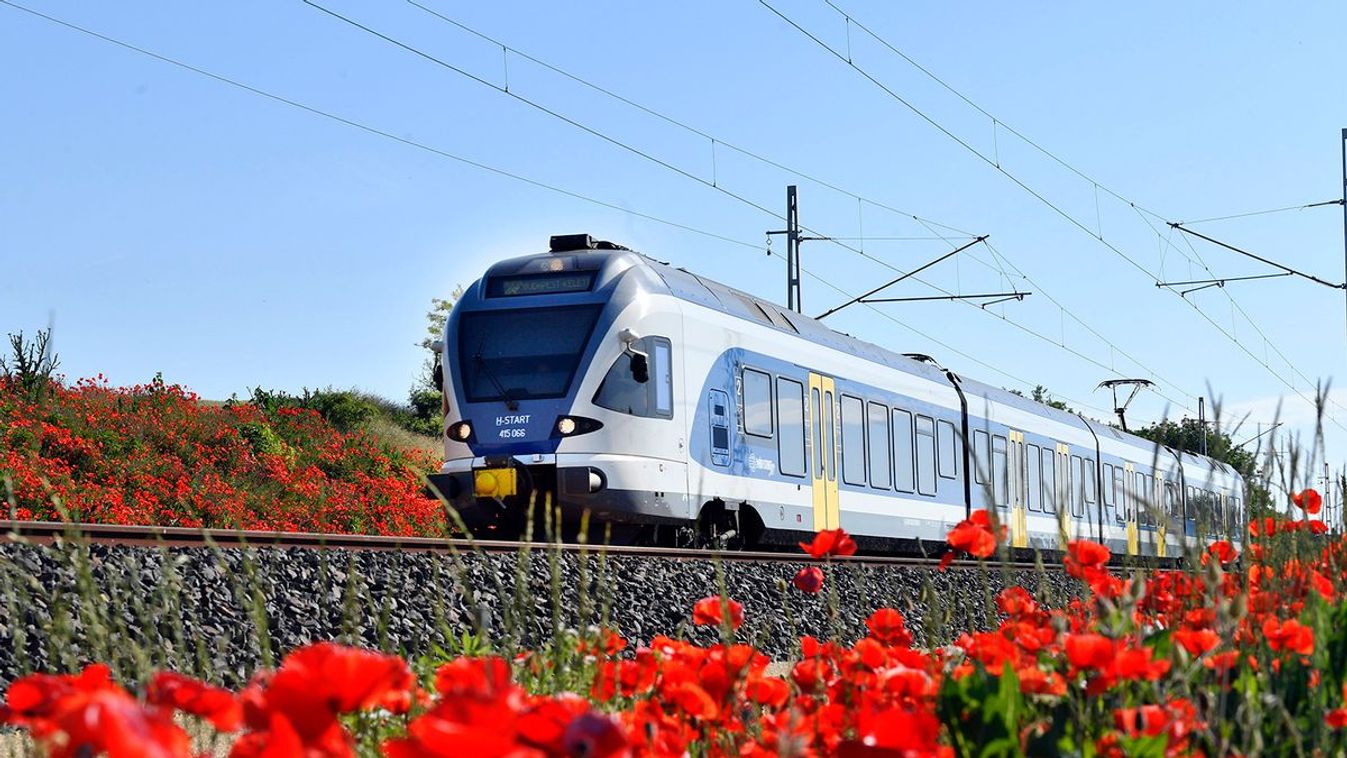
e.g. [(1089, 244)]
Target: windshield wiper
[(510, 403)]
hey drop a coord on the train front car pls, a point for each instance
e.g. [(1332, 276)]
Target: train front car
[(543, 354)]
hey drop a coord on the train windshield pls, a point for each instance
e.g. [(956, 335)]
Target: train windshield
[(522, 354)]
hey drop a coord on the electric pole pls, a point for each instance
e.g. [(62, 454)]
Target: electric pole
[(792, 232), (1202, 421)]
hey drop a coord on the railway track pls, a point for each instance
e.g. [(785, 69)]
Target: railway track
[(49, 532)]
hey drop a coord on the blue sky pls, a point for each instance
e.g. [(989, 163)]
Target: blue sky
[(165, 221)]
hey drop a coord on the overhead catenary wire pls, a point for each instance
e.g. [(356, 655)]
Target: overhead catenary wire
[(374, 131), (1264, 212), (476, 164), (779, 165), (1139, 209), (713, 139), (996, 164), (683, 172), (974, 359)]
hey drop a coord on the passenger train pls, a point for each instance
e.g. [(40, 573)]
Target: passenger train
[(680, 411)]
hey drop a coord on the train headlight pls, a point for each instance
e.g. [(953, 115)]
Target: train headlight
[(570, 426), (460, 431)]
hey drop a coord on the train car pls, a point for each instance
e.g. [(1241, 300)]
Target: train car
[(677, 410)]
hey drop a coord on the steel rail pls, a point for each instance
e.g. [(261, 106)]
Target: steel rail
[(49, 532)]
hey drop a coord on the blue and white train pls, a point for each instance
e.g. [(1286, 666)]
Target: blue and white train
[(682, 411)]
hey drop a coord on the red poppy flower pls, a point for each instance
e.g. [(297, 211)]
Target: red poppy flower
[(974, 535), (1138, 663), (1222, 661), (1086, 559), (767, 690), (314, 685), (946, 559), (1290, 635), (709, 611), (895, 731), (1321, 584), (1088, 553), (809, 579), (486, 676), (1036, 681), (89, 714), (188, 695), (1147, 719), (1318, 527), (991, 649), (1337, 718), (1196, 641), (1016, 601), (1222, 550), (1308, 500), (889, 627), (829, 542), (1089, 651)]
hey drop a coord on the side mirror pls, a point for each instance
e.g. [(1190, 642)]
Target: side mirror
[(437, 374), (640, 367)]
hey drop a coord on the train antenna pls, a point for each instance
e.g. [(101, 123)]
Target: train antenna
[(1114, 384)]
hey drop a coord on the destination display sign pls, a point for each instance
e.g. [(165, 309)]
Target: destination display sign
[(541, 284)]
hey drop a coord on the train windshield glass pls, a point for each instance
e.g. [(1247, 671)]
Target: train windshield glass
[(522, 354)]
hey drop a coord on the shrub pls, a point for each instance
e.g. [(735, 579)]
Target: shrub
[(29, 370), (155, 454)]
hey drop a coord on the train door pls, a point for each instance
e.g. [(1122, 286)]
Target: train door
[(1131, 501), (1063, 495), (823, 451), (1019, 520), (1162, 498)]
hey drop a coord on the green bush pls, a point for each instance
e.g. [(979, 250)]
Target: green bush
[(344, 409), (262, 438)]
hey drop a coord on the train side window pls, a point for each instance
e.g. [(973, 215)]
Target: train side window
[(757, 389), (949, 466), (1153, 494), (790, 422), (981, 459), (1076, 486), (619, 391), (904, 476), (853, 440), (1143, 498), (1049, 483), (1091, 482), (1108, 486), (662, 372), (818, 432), (829, 431), (1035, 485), (1000, 471), (926, 455), (877, 429), (1120, 494)]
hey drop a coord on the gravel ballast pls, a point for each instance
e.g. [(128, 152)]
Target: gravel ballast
[(221, 613)]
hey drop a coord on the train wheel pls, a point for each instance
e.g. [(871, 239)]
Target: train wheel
[(719, 528)]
